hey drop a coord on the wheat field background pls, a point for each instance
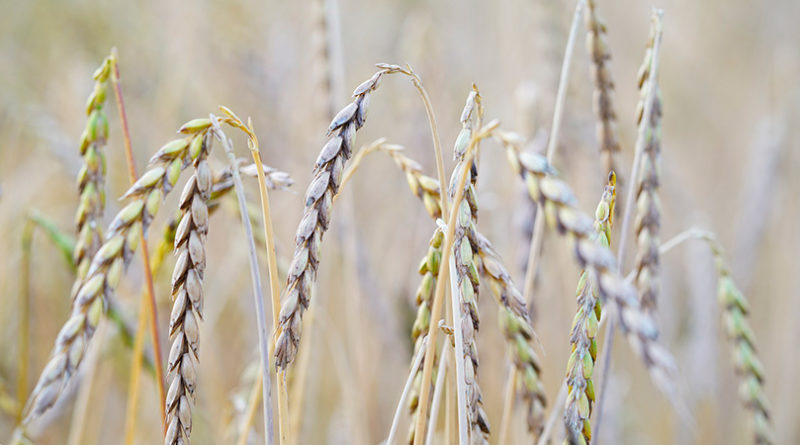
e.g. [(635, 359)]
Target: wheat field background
[(730, 80)]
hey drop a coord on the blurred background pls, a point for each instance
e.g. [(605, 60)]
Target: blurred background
[(729, 76)]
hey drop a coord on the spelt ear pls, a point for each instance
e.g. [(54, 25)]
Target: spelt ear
[(187, 292), (316, 217), (93, 293), (583, 333)]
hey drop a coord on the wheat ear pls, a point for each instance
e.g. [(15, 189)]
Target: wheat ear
[(651, 64), (444, 274), (106, 268), (580, 367), (513, 312), (647, 222), (187, 294), (603, 102), (560, 211), (517, 330), (734, 309), (466, 281), (316, 217), (91, 177)]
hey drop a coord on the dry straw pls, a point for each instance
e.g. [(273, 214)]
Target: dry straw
[(324, 185), (560, 212), (106, 269), (603, 101), (580, 367)]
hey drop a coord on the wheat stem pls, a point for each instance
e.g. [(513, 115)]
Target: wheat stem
[(461, 384), (508, 403), (438, 390), (405, 394), (538, 225), (256, 281), (149, 294)]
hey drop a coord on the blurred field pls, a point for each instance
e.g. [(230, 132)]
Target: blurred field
[(730, 76)]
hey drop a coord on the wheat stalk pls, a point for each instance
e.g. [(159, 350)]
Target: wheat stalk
[(91, 177), (316, 217), (106, 269), (560, 212), (580, 367), (603, 104), (647, 222)]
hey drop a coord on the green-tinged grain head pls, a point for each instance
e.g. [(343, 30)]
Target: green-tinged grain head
[(735, 308), (91, 177), (580, 367), (106, 269)]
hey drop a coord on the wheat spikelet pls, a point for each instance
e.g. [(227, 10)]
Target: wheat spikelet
[(187, 293), (105, 271), (316, 217), (648, 207), (423, 186), (558, 203), (578, 408), (429, 270), (603, 103), (91, 177)]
